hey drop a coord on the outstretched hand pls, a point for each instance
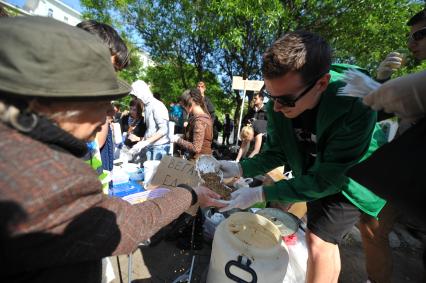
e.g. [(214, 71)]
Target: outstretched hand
[(207, 197), (403, 96), (244, 198)]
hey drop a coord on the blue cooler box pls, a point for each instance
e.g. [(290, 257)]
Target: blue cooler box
[(125, 189)]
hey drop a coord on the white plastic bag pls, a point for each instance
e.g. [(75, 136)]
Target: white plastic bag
[(107, 271), (358, 84), (116, 133), (210, 224), (298, 259)]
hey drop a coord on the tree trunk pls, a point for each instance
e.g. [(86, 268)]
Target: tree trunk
[(238, 101)]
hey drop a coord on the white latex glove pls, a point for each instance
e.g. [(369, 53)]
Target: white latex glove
[(404, 96), (244, 198), (230, 168), (134, 138), (138, 147), (174, 138), (391, 63)]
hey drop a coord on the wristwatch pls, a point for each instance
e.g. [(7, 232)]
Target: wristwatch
[(193, 193)]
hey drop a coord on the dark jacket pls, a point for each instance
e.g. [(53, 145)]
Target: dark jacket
[(256, 115), (210, 107), (139, 130), (396, 171), (56, 225)]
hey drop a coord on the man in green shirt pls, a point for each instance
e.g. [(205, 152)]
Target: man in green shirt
[(320, 136)]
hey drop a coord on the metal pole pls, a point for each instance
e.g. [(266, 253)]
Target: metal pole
[(129, 267), (241, 111)]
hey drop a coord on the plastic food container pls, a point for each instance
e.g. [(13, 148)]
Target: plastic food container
[(137, 176), (285, 222)]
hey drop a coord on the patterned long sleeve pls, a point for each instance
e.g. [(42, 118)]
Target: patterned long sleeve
[(198, 134), (54, 213)]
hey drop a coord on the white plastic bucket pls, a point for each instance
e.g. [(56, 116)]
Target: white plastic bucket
[(130, 168), (247, 247), (150, 167)]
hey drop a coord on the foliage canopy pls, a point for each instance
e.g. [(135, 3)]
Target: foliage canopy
[(214, 40)]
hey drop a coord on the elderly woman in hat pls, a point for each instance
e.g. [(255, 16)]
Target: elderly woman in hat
[(56, 83)]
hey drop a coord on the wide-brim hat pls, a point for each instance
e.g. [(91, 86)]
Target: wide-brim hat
[(46, 58)]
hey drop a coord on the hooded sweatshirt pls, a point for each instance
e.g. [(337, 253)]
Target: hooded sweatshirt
[(155, 112)]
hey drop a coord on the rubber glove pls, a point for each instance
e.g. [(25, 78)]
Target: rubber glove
[(174, 138), (134, 138), (391, 63), (230, 169), (139, 146), (404, 96), (244, 198)]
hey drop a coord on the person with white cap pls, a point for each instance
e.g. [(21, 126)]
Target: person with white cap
[(156, 141)]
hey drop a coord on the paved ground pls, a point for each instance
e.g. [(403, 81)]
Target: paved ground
[(164, 262)]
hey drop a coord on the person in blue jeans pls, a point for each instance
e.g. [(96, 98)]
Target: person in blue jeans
[(155, 143), (101, 154)]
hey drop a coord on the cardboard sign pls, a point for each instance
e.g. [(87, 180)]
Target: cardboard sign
[(239, 84), (173, 171)]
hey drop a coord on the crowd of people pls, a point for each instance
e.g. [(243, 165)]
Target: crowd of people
[(59, 142)]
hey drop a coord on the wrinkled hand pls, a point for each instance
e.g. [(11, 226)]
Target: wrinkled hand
[(404, 96), (134, 138), (391, 63), (207, 197), (230, 168), (174, 138), (244, 198), (139, 146)]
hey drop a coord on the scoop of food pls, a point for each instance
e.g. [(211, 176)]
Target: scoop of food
[(209, 169)]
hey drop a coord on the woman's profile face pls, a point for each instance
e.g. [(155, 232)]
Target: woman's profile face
[(134, 112)]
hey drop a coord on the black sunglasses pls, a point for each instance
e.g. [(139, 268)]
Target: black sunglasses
[(418, 35), (284, 100)]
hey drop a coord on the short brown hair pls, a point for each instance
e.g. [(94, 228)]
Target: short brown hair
[(136, 103), (417, 18), (111, 38), (301, 51)]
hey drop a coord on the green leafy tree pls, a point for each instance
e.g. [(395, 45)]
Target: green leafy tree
[(166, 81), (193, 40)]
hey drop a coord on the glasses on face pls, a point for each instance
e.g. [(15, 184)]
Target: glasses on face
[(286, 100), (417, 35)]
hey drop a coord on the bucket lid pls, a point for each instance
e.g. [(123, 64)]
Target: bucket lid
[(285, 222)]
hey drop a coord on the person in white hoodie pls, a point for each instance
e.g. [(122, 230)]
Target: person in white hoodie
[(156, 142)]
